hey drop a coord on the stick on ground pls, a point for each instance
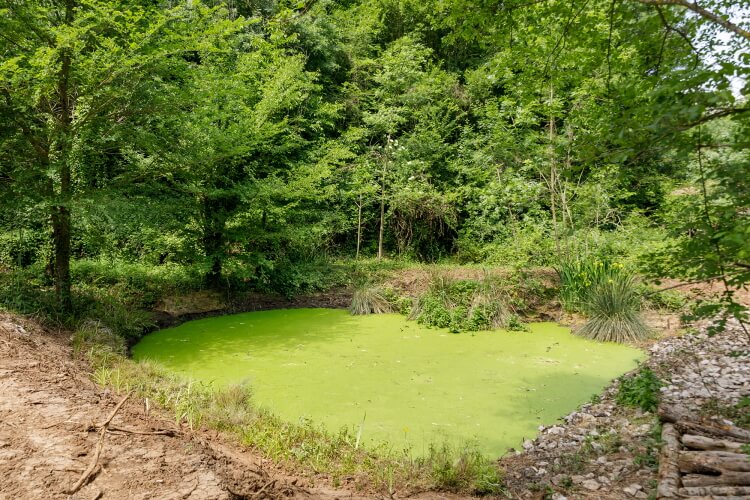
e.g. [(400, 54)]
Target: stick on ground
[(99, 446)]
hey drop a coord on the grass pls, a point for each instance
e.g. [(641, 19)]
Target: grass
[(579, 277), (302, 446), (369, 300), (613, 307)]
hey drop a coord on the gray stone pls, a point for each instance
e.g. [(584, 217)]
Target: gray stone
[(591, 484)]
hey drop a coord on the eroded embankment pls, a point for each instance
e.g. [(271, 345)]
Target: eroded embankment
[(49, 417)]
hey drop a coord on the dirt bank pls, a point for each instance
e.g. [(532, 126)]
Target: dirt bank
[(49, 414)]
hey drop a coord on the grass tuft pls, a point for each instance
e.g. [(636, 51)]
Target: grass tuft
[(613, 307), (369, 300)]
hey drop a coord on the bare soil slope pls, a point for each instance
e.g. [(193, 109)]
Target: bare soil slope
[(49, 415)]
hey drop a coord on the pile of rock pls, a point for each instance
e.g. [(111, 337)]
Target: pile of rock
[(605, 451)]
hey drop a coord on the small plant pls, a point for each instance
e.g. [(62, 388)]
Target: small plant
[(650, 456), (467, 471), (579, 277), (369, 300), (738, 413), (640, 391), (614, 311)]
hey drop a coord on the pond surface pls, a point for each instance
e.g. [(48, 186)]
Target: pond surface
[(409, 384)]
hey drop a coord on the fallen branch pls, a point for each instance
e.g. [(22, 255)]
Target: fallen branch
[(258, 493), (696, 442), (99, 446), (158, 432), (669, 472), (712, 491)]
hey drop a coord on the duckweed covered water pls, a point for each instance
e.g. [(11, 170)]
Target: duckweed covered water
[(410, 385)]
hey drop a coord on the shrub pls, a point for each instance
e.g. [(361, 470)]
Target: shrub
[(640, 391), (613, 307), (369, 300), (466, 305)]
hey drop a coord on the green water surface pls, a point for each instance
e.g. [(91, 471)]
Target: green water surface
[(410, 385)]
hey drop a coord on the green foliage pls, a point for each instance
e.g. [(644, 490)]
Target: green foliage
[(613, 310), (649, 457), (578, 278), (640, 390), (467, 470), (291, 278), (469, 305), (738, 413), (668, 300)]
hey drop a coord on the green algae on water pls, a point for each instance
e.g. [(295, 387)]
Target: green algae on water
[(399, 381)]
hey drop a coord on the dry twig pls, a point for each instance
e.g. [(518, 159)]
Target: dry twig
[(99, 446)]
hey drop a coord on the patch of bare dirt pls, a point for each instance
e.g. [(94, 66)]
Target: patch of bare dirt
[(50, 415)]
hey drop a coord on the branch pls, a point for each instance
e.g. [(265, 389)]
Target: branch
[(704, 13), (721, 113), (671, 28)]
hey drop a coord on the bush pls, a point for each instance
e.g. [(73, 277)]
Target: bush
[(291, 278), (467, 305), (613, 307), (640, 391)]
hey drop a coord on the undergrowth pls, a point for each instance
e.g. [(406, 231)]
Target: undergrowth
[(640, 390), (472, 305), (302, 446)]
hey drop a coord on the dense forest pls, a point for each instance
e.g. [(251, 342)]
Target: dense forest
[(252, 142)]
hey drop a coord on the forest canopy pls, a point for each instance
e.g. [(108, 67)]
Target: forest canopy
[(250, 141)]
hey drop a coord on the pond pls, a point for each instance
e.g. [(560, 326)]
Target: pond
[(399, 381)]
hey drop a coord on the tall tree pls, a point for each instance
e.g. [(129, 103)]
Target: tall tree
[(73, 74)]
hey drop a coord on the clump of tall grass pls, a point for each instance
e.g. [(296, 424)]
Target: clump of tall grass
[(613, 308), (368, 299), (94, 334), (465, 470)]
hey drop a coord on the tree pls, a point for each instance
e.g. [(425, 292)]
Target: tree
[(74, 74)]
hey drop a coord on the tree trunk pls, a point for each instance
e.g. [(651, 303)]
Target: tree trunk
[(696, 442), (61, 237), (552, 180), (61, 213), (713, 462), (729, 478), (213, 240), (382, 213), (359, 225), (669, 472)]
